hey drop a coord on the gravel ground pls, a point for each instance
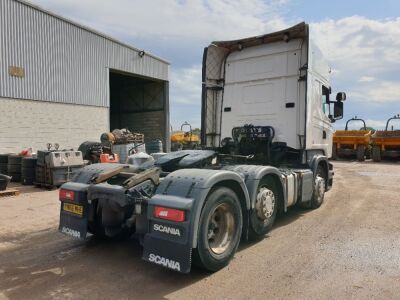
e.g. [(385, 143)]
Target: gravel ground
[(349, 248)]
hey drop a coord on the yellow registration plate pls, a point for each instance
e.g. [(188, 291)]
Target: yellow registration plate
[(73, 208)]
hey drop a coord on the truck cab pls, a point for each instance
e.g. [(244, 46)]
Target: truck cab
[(266, 139), (279, 80)]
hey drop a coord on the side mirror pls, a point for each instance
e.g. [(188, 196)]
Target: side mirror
[(341, 96), (338, 109)]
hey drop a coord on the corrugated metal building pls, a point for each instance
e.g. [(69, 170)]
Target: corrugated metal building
[(62, 82)]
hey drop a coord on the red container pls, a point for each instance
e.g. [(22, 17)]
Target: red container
[(109, 158)]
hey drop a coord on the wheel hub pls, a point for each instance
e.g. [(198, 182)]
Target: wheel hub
[(265, 203), (221, 225)]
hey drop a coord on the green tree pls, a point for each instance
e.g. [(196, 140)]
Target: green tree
[(196, 131)]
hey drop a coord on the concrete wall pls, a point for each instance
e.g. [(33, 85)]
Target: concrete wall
[(25, 123)]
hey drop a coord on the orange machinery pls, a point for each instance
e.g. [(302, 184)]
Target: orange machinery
[(109, 158), (184, 139), (386, 143), (351, 142)]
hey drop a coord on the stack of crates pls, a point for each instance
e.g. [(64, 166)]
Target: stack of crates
[(54, 168), (138, 138)]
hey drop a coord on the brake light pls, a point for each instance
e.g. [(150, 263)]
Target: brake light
[(169, 214), (67, 195)]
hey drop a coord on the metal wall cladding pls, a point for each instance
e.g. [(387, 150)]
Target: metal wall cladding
[(61, 61)]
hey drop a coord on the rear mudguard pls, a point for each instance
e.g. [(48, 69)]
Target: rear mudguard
[(253, 174), (72, 224), (168, 243), (111, 198)]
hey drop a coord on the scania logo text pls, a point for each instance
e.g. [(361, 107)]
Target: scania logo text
[(166, 262), (167, 229), (71, 232)]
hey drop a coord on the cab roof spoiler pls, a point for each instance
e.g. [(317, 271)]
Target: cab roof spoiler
[(297, 31)]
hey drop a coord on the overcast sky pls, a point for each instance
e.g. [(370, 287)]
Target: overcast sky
[(359, 38)]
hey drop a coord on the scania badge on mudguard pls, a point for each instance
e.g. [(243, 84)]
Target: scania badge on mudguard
[(168, 263), (167, 229), (71, 232)]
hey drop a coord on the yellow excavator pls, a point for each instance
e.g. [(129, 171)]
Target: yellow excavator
[(352, 142), (386, 143), (181, 139)]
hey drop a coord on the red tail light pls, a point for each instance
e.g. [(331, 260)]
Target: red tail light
[(67, 195), (169, 214)]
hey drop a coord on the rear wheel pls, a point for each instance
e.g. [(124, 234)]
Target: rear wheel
[(361, 152), (95, 226), (266, 207), (220, 229), (114, 233), (376, 153)]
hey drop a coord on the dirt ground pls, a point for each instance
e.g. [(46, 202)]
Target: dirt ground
[(349, 248)]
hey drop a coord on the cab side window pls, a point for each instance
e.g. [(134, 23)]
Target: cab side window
[(325, 100)]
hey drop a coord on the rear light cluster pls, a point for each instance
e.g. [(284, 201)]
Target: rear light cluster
[(67, 195), (170, 214)]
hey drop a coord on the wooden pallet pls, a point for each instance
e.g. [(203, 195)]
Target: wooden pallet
[(9, 192)]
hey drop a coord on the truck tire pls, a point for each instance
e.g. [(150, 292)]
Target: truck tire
[(220, 229), (376, 153), (361, 152), (334, 151), (319, 188), (368, 152), (101, 232), (266, 208), (97, 230)]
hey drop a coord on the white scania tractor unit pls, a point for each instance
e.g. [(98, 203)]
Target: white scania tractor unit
[(266, 138)]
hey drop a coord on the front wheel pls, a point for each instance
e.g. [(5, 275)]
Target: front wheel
[(220, 228), (319, 188), (361, 152), (368, 152), (376, 153)]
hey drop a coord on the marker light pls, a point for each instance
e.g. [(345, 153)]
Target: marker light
[(67, 195), (169, 214)]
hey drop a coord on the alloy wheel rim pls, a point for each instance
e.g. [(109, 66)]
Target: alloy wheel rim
[(265, 203), (221, 226)]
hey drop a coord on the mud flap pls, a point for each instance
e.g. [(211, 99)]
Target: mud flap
[(73, 226), (168, 254), (74, 212)]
